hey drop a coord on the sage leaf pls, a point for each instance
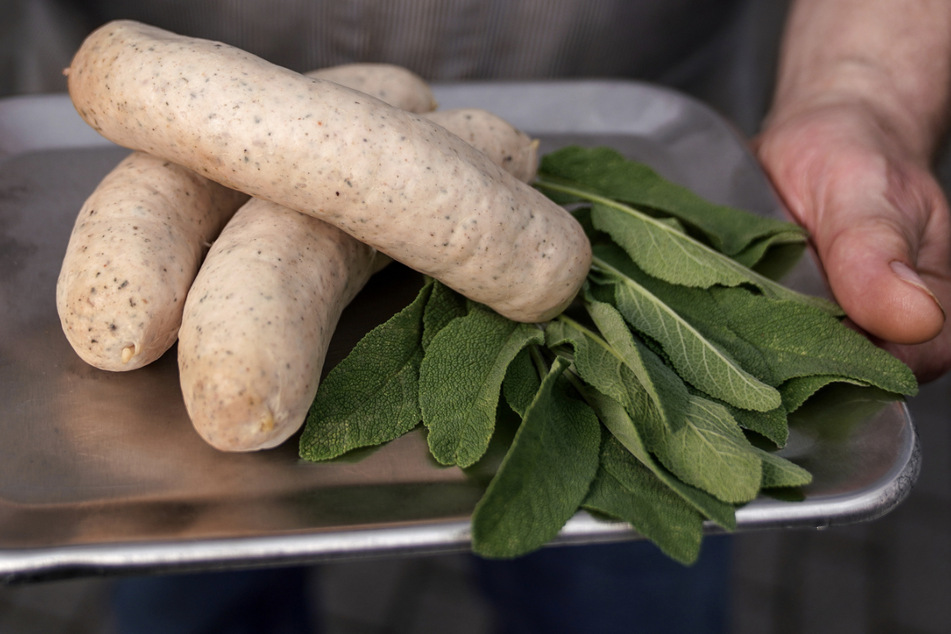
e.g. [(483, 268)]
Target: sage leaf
[(697, 307), (460, 380), (622, 427), (710, 452), (544, 476), (774, 256), (370, 397), (833, 413), (607, 172), (777, 339), (637, 378), (772, 425), (799, 341), (521, 382), (698, 360), (663, 251), (778, 472), (798, 390), (625, 489), (669, 255), (443, 305)]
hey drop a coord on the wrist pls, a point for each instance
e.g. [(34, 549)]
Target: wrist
[(888, 58), (915, 123)]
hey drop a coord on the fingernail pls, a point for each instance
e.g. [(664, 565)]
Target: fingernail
[(908, 274)]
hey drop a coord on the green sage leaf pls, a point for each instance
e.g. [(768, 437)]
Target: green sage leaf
[(772, 425), (803, 341), (710, 452), (627, 490), (460, 379), (697, 359), (669, 255), (798, 390), (622, 426), (632, 376), (443, 306), (774, 256), (777, 339), (521, 382), (606, 172), (370, 397), (544, 476), (778, 472), (663, 251)]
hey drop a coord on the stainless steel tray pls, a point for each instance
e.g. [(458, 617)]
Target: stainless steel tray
[(102, 473)]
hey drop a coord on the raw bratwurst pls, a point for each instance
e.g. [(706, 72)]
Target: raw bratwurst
[(139, 238), (135, 248), (260, 315), (390, 178)]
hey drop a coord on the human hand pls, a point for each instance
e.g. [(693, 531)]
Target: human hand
[(878, 221)]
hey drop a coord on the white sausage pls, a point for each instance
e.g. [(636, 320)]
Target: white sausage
[(148, 224), (389, 178), (260, 315), (504, 144), (394, 85), (135, 248), (258, 320)]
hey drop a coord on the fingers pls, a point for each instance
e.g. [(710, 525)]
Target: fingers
[(871, 269), (889, 270), (929, 360), (879, 223)]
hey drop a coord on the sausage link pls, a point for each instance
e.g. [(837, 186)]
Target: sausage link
[(504, 144), (258, 321), (395, 85), (134, 250), (261, 312), (389, 178), (148, 225)]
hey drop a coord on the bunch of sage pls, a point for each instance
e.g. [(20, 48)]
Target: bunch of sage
[(658, 399)]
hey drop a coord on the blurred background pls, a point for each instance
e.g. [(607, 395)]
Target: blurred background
[(888, 575)]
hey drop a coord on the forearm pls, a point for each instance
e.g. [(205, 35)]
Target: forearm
[(893, 56)]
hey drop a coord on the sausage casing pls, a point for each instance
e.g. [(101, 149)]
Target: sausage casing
[(135, 248), (389, 178)]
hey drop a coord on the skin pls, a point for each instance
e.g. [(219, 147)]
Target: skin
[(135, 248), (261, 313), (389, 178), (860, 109)]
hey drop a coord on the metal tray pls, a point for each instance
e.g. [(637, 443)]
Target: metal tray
[(101, 473)]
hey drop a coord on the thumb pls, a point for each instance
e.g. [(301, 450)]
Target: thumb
[(870, 262)]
